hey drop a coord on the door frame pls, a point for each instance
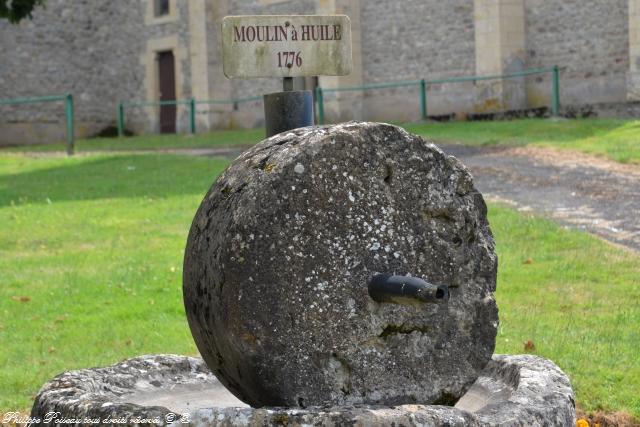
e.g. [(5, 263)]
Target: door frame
[(152, 80)]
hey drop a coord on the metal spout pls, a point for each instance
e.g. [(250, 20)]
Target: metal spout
[(405, 290)]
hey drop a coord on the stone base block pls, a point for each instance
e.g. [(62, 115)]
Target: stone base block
[(521, 390)]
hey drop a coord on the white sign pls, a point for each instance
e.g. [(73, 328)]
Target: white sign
[(286, 46)]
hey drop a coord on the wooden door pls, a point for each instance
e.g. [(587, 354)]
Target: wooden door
[(167, 81)]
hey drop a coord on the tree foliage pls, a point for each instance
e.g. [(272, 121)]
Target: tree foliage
[(15, 10)]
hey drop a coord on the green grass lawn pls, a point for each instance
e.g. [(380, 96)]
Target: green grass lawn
[(152, 142), (90, 273), (618, 140), (96, 243)]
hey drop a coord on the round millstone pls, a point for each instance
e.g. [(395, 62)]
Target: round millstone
[(283, 246)]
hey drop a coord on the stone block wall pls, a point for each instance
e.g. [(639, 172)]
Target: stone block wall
[(104, 52), (414, 39), (588, 39), (417, 38), (89, 49), (100, 52)]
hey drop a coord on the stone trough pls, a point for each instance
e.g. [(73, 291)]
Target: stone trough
[(521, 390)]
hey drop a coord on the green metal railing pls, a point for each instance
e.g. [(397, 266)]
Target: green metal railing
[(142, 104), (192, 103), (424, 84), (68, 107)]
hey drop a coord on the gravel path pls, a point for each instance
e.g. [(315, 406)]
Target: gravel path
[(585, 192), (581, 191)]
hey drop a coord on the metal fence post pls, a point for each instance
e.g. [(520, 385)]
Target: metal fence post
[(192, 115), (555, 95), (121, 119), (423, 99), (70, 131), (320, 100)]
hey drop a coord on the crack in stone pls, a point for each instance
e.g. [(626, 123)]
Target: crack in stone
[(402, 329)]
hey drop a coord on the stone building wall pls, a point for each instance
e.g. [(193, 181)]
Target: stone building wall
[(411, 40), (69, 47), (588, 39), (99, 52), (104, 53)]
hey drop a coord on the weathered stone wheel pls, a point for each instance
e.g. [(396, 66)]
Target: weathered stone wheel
[(283, 247)]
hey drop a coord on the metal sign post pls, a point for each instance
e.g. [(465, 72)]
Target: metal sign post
[(286, 46), (289, 109)]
